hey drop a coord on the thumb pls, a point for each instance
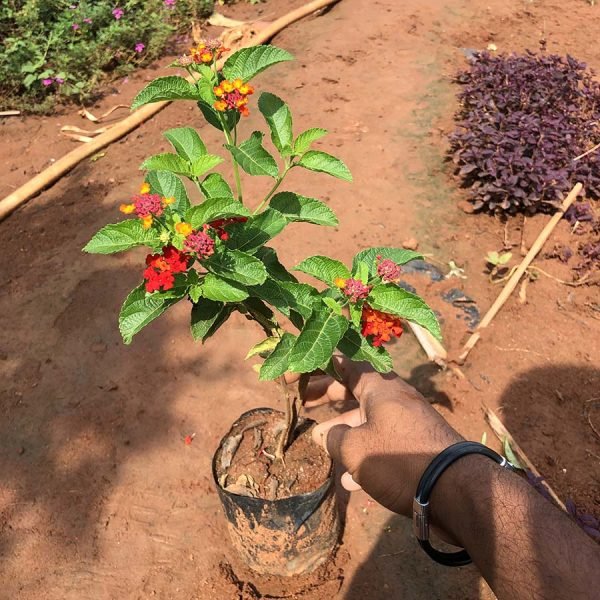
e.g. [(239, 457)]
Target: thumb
[(337, 437)]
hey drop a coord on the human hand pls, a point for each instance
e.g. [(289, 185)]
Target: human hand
[(387, 442)]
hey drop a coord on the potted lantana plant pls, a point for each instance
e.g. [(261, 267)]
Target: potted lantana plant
[(275, 485)]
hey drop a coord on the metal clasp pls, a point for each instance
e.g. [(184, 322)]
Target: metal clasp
[(421, 520)]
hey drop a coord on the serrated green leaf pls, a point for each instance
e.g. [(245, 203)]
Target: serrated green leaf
[(266, 345), (317, 341), (369, 256), (315, 160), (169, 185), (215, 288), (165, 88), (205, 163), (302, 209), (186, 142), (253, 158), (167, 162), (304, 295), (214, 186), (213, 209), (122, 236), (357, 348), (277, 362), (286, 296), (237, 266), (332, 304), (255, 232), (306, 138), (324, 269), (139, 309), (247, 63), (362, 272), (392, 299), (207, 317), (279, 119), (355, 311), (195, 292), (275, 269)]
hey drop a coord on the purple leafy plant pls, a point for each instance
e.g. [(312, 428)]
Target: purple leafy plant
[(523, 119)]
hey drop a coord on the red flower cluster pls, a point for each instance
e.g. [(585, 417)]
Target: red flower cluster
[(148, 204), (388, 270), (200, 243), (355, 290), (160, 268), (220, 224), (382, 326)]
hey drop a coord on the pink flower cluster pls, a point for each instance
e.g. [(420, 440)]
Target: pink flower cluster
[(200, 243), (355, 290), (148, 204), (388, 270)]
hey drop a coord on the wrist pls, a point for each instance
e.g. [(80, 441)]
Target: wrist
[(461, 495)]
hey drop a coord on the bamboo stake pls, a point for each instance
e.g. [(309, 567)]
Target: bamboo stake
[(117, 131), (432, 347), (511, 284), (500, 430)]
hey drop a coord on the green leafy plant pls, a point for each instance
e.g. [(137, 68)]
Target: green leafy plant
[(496, 262), (57, 50), (216, 252)]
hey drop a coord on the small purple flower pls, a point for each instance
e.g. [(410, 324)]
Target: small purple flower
[(59, 80), (139, 47), (75, 26), (47, 82), (87, 20), (170, 3), (118, 13)]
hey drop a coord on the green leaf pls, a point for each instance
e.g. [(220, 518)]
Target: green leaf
[(237, 266), (169, 185), (167, 162), (510, 455), (286, 296), (215, 288), (299, 208), (247, 63), (186, 142), (369, 256), (324, 269), (253, 158), (207, 317), (122, 236), (195, 292), (165, 88), (265, 347), (139, 309), (355, 311), (279, 119), (231, 117), (357, 348), (392, 299), (205, 163), (255, 232), (275, 269), (317, 341), (213, 209), (306, 138), (315, 160), (277, 362), (304, 295), (362, 272), (214, 186), (332, 304)]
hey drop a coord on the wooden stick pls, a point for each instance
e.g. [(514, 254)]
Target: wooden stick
[(68, 161), (434, 350), (511, 284), (500, 430)]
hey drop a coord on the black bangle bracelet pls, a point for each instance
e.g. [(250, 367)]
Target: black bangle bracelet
[(421, 502)]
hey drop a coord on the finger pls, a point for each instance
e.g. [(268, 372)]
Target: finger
[(327, 391), (351, 418), (348, 483), (317, 389)]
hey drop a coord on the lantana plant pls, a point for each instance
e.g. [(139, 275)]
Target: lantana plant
[(215, 252)]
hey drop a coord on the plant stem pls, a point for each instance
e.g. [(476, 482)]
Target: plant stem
[(273, 189)]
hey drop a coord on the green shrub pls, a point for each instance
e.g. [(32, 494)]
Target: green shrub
[(61, 49)]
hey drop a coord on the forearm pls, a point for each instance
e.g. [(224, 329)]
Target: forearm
[(523, 546)]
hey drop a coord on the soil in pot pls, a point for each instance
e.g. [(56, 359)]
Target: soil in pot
[(282, 516)]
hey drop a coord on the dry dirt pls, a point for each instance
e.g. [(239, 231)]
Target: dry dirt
[(99, 495)]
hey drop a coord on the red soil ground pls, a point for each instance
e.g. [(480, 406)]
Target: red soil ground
[(99, 495)]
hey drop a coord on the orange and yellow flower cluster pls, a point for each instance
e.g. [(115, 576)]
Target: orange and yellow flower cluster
[(233, 95), (207, 51)]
